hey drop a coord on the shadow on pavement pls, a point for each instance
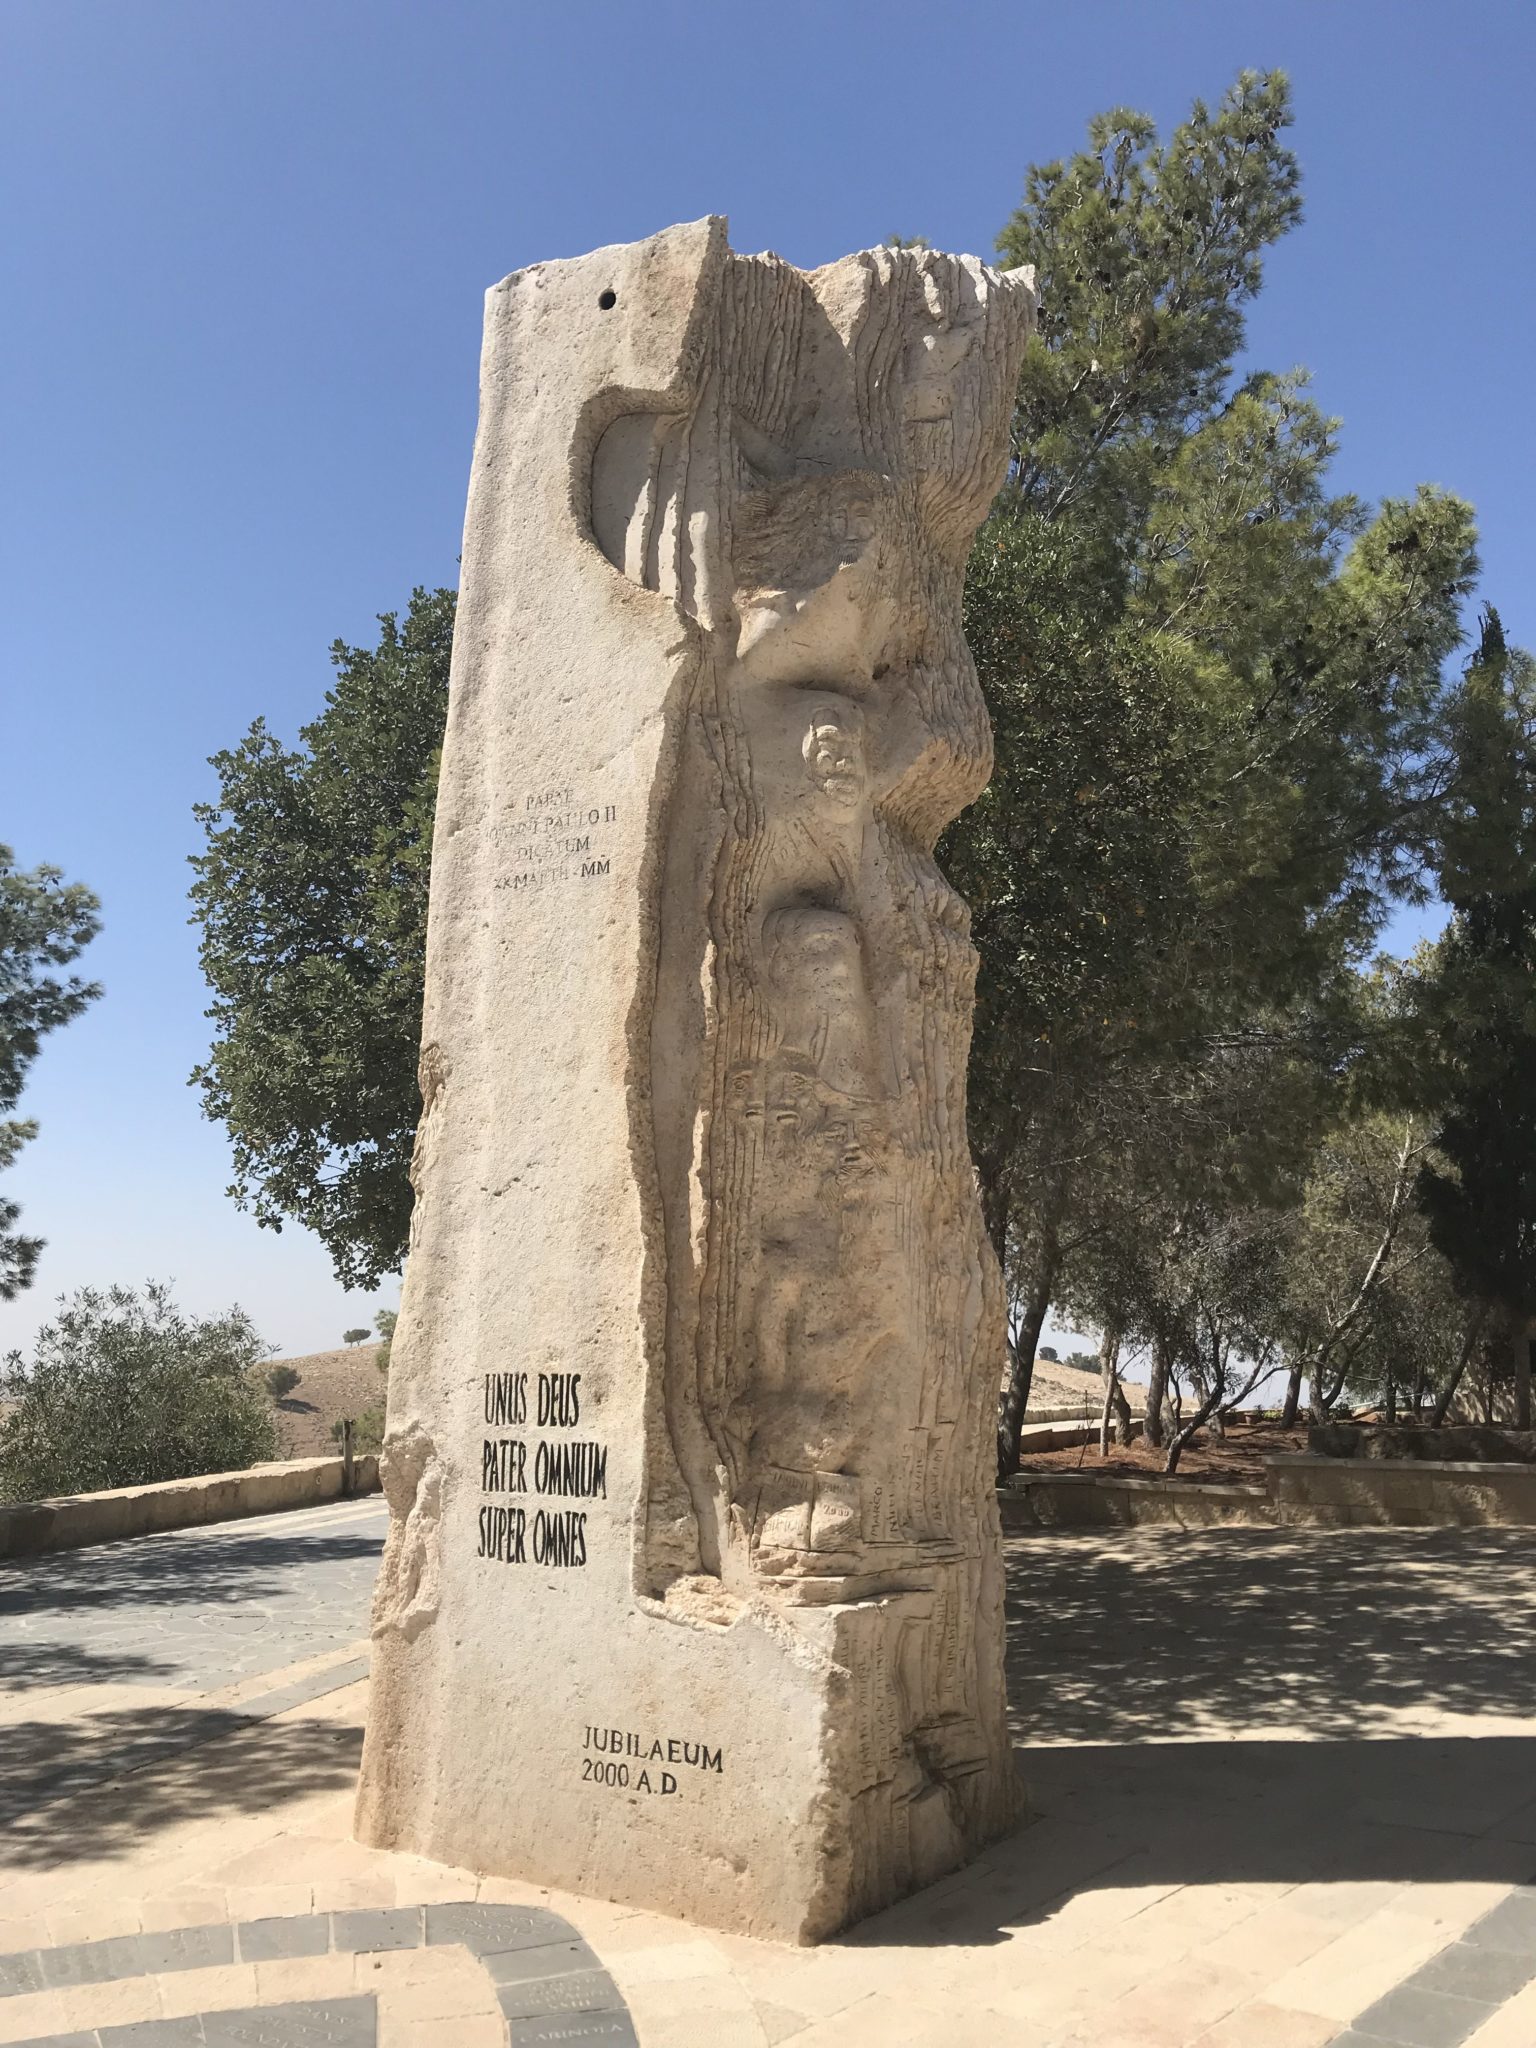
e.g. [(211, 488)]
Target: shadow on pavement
[(171, 1765), (1232, 1814), (200, 1569), (1158, 1680), (41, 1666), (1149, 1634), (1255, 1707)]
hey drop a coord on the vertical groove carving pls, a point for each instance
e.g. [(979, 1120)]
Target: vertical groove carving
[(832, 1331)]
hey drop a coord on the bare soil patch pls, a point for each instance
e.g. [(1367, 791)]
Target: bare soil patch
[(1239, 1460)]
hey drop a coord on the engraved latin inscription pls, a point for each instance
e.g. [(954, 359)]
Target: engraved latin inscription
[(527, 1475), (557, 835)]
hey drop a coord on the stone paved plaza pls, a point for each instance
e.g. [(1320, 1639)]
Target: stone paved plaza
[(1284, 1782)]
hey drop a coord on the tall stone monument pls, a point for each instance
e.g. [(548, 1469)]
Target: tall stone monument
[(692, 1594)]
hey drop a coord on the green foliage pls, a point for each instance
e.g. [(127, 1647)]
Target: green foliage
[(367, 1432), (1216, 690), (44, 924), (1224, 746), (353, 1336), (1072, 858), (1146, 254), (1477, 992), (384, 1322), (1369, 1309), (1176, 1235), (312, 894), (122, 1389), (281, 1380)]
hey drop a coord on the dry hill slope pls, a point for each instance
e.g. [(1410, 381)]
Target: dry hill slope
[(332, 1384)]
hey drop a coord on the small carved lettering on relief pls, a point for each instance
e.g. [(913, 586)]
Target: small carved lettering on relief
[(557, 835)]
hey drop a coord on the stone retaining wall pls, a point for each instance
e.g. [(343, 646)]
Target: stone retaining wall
[(1083, 1411), (1083, 1500), (1457, 1443), (73, 1520), (1064, 1436), (1300, 1491), (1353, 1493)]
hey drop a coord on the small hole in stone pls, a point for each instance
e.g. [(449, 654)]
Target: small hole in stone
[(607, 299)]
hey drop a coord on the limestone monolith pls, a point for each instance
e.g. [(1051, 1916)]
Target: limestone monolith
[(692, 1594)]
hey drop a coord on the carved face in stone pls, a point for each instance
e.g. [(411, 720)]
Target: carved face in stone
[(744, 1094), (833, 750), (792, 1100), (813, 958)]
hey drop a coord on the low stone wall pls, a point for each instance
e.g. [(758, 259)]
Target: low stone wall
[(1084, 1500), (1085, 1411), (1300, 1491), (1064, 1436), (73, 1520), (1457, 1443), (1353, 1493)]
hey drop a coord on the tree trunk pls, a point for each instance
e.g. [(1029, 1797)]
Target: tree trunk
[(1021, 1368), (995, 1207), (1209, 1406), (1521, 1350), (1292, 1406), (1408, 1152), (1104, 1420), (1115, 1403), (1157, 1390), (1324, 1396), (1182, 1432)]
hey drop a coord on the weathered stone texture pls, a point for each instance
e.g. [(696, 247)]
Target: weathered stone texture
[(692, 1595)]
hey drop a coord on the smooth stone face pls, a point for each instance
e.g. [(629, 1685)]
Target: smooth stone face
[(692, 1595)]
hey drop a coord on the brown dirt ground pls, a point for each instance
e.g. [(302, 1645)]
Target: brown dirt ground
[(1240, 1459), (332, 1384)]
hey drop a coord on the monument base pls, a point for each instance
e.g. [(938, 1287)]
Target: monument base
[(749, 1777)]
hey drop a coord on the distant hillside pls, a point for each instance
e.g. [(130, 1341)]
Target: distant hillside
[(332, 1384), (1059, 1385), (347, 1381)]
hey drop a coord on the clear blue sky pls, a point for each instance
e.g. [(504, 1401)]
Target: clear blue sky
[(244, 248)]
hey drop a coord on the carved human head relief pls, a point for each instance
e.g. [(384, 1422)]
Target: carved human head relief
[(833, 751)]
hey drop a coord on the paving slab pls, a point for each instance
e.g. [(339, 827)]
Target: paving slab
[(1217, 1819)]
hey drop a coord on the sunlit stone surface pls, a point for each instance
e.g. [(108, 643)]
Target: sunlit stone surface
[(692, 1595)]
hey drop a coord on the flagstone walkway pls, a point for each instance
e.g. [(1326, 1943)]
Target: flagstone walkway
[(1286, 1783)]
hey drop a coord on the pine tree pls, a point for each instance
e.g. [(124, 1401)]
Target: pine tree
[(1479, 995)]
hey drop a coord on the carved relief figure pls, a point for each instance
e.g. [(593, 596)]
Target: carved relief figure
[(695, 1133), (832, 1338), (834, 753)]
